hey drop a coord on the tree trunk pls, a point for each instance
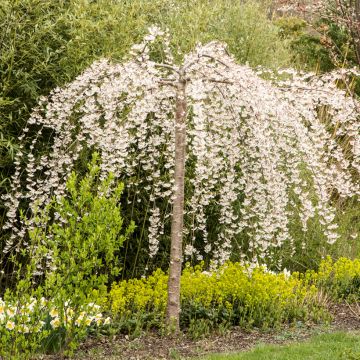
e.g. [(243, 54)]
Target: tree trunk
[(173, 304)]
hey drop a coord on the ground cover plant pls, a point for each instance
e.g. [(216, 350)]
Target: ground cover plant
[(236, 294), (340, 278)]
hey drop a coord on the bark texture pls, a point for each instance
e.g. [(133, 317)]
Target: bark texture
[(173, 305)]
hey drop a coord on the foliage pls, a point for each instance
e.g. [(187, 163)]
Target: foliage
[(309, 49), (250, 36), (233, 294), (64, 272), (316, 250), (349, 228), (331, 37), (345, 15), (33, 42)]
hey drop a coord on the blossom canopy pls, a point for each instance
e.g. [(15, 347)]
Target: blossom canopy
[(260, 151)]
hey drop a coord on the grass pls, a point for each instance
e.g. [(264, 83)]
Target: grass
[(340, 345)]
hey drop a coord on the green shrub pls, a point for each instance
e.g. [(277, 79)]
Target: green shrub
[(308, 48), (65, 270)]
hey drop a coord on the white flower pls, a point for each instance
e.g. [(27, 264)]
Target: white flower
[(10, 325), (54, 313), (55, 323), (286, 273), (24, 329), (10, 311)]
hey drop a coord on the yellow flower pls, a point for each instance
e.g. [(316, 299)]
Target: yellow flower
[(107, 321), (98, 316), (98, 319), (79, 320), (24, 311), (43, 301)]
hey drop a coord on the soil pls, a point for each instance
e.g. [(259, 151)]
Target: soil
[(152, 346)]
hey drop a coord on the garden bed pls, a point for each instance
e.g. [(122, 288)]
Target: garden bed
[(153, 346)]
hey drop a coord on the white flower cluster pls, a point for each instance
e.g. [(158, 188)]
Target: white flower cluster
[(21, 318), (256, 148), (8, 314), (89, 315)]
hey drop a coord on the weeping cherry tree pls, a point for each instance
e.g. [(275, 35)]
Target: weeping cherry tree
[(259, 151)]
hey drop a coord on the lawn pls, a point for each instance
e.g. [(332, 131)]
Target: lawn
[(340, 345)]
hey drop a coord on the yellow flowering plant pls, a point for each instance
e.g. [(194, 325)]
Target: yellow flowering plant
[(233, 294), (340, 279)]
